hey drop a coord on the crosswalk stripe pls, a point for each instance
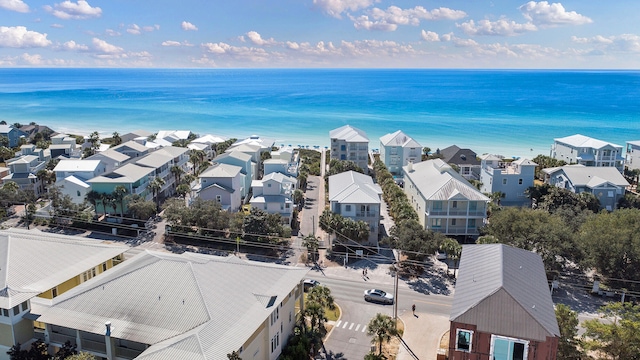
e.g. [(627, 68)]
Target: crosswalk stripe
[(345, 325), (338, 324), (357, 327), (350, 327), (363, 328)]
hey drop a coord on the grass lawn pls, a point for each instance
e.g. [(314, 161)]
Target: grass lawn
[(332, 315)]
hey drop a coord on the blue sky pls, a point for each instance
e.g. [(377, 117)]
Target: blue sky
[(320, 33)]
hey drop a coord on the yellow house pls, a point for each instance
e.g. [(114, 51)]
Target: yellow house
[(160, 305), (35, 264)]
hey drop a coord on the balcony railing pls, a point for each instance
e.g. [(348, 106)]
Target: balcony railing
[(61, 338), (96, 346), (365, 214), (127, 353)]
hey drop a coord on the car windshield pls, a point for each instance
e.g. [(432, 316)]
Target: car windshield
[(380, 292)]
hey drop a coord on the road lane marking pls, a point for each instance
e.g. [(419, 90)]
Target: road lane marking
[(338, 324), (351, 327), (357, 327), (345, 325), (363, 328)]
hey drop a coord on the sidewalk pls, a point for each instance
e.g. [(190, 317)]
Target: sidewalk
[(422, 333)]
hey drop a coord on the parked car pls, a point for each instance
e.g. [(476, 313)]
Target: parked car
[(441, 255), (309, 283), (378, 296)]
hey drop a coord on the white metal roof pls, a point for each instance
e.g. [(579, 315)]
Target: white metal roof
[(219, 170), (32, 261), (189, 305), (354, 188), (77, 165), (590, 176), (436, 180), (110, 154), (209, 139), (399, 138), (349, 134), (578, 140)]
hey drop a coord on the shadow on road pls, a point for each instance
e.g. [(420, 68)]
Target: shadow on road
[(432, 281)]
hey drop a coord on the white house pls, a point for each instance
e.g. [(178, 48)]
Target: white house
[(72, 176), (222, 183), (162, 161), (350, 143), (580, 149), (354, 195), (397, 150), (512, 179), (249, 168), (444, 200), (132, 149), (23, 171), (605, 183), (112, 159), (160, 305), (273, 194), (632, 157)]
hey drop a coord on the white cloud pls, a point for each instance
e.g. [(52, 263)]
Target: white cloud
[(598, 39), (104, 47), (389, 19), (57, 26), (629, 43), (69, 10), (35, 59), (292, 45), (73, 46), (187, 26), (257, 39), (175, 43), (430, 36), (112, 32), (20, 37), (204, 60), (335, 8), (544, 14), (237, 52), (500, 27), (14, 5), (135, 29)]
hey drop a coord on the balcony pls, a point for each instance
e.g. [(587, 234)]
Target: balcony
[(59, 338), (365, 214)]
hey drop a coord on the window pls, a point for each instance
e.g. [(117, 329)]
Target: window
[(268, 185), (104, 267), (219, 198), (472, 223), (463, 340), (436, 223), (503, 348), (5, 312), (504, 181), (25, 306), (454, 205), (610, 193), (473, 206), (437, 205), (347, 208), (519, 181), (16, 310), (54, 292), (453, 222), (287, 206), (78, 193)]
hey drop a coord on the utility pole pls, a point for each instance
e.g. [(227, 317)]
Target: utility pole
[(395, 294)]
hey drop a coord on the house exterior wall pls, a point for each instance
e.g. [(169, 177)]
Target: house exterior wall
[(76, 192), (481, 345), (247, 169), (14, 136), (395, 157), (607, 195), (605, 156), (227, 199), (369, 213), (632, 159), (357, 152), (512, 184)]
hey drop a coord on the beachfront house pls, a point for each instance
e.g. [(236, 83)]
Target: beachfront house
[(159, 305), (605, 183), (207, 143), (136, 135), (354, 195), (132, 149), (162, 161), (580, 149), (509, 178), (40, 268), (464, 160), (632, 157), (248, 167), (350, 143), (502, 308), (72, 176), (63, 145), (284, 160), (222, 183), (274, 194), (133, 177), (12, 134), (444, 200), (397, 150)]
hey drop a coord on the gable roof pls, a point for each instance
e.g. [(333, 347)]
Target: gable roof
[(239, 155), (201, 305), (349, 133), (32, 262), (209, 139), (218, 170), (436, 180), (458, 156), (131, 145), (281, 178), (578, 140), (399, 138), (128, 173), (524, 162), (110, 154), (590, 176), (496, 277), (353, 187)]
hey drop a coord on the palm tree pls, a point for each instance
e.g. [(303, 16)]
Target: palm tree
[(311, 243), (183, 190), (321, 295), (156, 185), (298, 196), (117, 140), (43, 177), (107, 199), (93, 197), (119, 192), (382, 327), (177, 172), (197, 158), (453, 250)]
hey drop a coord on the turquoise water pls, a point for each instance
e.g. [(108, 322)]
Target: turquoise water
[(513, 113)]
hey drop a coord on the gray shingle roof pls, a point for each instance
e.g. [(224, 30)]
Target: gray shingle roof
[(590, 176), (504, 290), (32, 262), (187, 306)]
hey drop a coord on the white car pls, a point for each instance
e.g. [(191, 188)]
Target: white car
[(379, 296), (309, 283)]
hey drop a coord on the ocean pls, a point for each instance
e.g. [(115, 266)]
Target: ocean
[(505, 112)]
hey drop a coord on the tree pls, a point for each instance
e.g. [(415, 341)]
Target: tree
[(81, 356), (117, 140), (43, 177), (118, 195), (233, 356), (311, 243), (321, 295), (382, 327), (182, 190), (298, 196), (414, 240), (177, 172), (93, 197), (16, 353), (545, 162), (339, 166), (38, 351), (569, 345), (197, 159), (140, 208), (618, 337), (156, 185), (6, 153), (453, 250), (4, 141)]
